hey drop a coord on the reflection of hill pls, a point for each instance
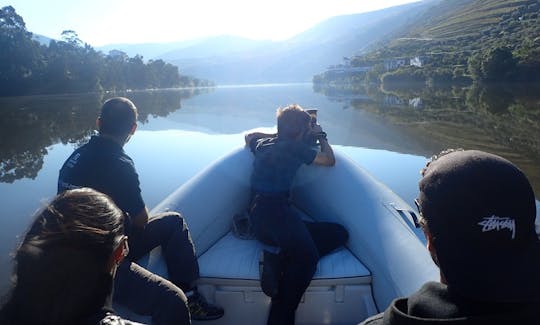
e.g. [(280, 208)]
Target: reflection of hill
[(512, 137), (503, 116), (502, 120), (28, 125)]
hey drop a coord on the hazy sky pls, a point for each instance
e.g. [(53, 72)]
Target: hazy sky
[(100, 22)]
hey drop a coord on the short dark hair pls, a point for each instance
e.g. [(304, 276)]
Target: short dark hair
[(117, 116), (292, 121), (61, 267)]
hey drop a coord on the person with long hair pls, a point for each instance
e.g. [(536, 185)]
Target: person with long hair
[(65, 266)]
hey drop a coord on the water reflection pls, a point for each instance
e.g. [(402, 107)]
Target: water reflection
[(503, 119), (29, 125), (387, 132)]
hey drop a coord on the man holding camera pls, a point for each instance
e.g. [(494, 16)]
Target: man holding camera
[(287, 274)]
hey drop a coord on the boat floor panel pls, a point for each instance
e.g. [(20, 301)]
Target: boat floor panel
[(232, 258)]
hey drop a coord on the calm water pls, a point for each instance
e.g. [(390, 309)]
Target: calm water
[(180, 132)]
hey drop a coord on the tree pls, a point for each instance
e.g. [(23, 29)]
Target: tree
[(70, 65), (375, 73), (136, 73), (474, 65), (71, 37), (19, 54), (498, 65)]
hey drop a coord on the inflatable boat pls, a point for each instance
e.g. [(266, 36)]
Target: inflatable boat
[(383, 259)]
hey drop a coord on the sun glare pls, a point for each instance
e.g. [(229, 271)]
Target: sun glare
[(123, 21)]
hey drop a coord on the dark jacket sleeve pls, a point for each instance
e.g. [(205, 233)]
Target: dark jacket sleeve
[(373, 320)]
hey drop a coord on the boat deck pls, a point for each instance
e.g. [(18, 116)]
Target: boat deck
[(340, 292)]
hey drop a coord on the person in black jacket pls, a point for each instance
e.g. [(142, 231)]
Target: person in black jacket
[(103, 165), (478, 213), (65, 266)]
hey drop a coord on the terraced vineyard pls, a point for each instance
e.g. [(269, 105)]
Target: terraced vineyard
[(461, 18), (469, 25)]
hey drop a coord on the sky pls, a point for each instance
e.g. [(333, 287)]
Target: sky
[(101, 22)]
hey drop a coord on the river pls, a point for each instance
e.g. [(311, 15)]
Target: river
[(391, 134)]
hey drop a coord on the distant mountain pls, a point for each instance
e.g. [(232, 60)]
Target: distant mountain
[(296, 59), (147, 50), (44, 40), (190, 49), (231, 60), (224, 45)]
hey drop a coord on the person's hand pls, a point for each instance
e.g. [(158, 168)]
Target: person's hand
[(317, 128), (318, 132)]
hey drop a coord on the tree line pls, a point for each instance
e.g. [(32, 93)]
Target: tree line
[(70, 66)]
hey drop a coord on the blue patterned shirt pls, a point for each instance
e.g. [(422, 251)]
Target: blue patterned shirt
[(276, 163)]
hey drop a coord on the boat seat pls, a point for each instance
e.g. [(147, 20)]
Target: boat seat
[(237, 259), (339, 294)]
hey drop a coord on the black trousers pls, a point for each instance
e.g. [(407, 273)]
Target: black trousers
[(149, 294), (301, 245)]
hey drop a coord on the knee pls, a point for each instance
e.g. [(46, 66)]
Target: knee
[(174, 219), (307, 255), (173, 307)]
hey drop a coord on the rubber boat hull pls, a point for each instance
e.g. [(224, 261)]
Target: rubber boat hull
[(384, 257)]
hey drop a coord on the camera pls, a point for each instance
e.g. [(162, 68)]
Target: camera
[(313, 113), (311, 138)]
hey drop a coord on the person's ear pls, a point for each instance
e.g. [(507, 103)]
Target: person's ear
[(433, 252), (98, 123), (133, 128), (429, 242), (118, 254), (430, 247)]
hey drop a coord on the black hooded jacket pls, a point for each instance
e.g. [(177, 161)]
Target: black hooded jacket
[(434, 304)]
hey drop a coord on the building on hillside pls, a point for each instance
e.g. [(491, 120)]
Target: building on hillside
[(393, 64), (416, 61)]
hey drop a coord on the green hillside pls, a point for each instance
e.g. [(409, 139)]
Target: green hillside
[(472, 25), (458, 41), (464, 18)]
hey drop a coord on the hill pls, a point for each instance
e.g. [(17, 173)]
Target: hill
[(43, 40), (471, 25), (195, 48), (229, 60), (458, 40)]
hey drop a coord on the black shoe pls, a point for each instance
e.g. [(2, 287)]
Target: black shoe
[(200, 309), (270, 273)]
